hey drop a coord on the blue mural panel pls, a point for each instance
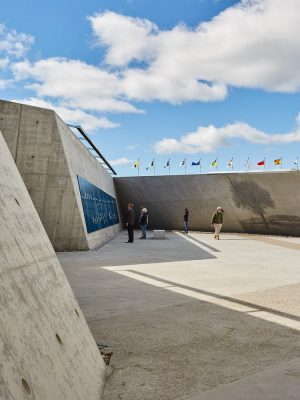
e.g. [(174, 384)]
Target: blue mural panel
[(99, 208)]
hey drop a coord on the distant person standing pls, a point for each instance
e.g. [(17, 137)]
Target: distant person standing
[(144, 222), (186, 220), (217, 221), (130, 222)]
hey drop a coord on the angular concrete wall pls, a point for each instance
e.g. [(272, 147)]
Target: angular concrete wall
[(263, 202), (49, 158), (47, 351)]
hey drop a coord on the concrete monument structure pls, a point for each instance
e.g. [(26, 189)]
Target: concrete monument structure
[(262, 202), (53, 162), (47, 350)]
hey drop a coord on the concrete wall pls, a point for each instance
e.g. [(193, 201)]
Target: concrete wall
[(47, 351), (262, 202), (49, 157)]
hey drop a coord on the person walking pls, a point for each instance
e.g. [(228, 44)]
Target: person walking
[(217, 221), (144, 222), (186, 220), (130, 222)]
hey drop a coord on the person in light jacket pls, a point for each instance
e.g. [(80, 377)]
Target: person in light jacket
[(144, 222), (217, 221)]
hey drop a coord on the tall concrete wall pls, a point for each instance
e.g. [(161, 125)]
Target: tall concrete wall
[(262, 202), (47, 351), (49, 157)]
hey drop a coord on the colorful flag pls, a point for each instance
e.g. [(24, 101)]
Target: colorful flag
[(214, 163), (150, 165), (230, 163), (182, 164), (196, 163), (136, 164), (277, 161), (261, 162), (168, 164)]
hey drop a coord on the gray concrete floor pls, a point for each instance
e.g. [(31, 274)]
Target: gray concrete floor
[(190, 316)]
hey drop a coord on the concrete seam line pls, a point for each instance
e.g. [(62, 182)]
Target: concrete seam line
[(189, 239), (257, 313)]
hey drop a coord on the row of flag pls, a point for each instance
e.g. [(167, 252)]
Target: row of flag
[(214, 163)]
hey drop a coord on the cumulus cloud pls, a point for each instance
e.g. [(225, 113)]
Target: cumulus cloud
[(77, 83), (74, 116), (14, 44), (207, 139), (120, 161), (253, 44)]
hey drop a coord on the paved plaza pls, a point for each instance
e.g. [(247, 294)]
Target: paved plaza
[(190, 317)]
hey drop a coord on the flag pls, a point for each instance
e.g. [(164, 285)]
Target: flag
[(150, 165), (214, 163), (230, 163), (196, 163), (136, 164), (277, 161), (296, 161), (261, 162), (168, 164), (182, 164)]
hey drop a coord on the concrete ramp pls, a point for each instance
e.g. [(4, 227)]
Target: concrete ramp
[(47, 351)]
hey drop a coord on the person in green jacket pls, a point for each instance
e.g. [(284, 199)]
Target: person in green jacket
[(217, 221)]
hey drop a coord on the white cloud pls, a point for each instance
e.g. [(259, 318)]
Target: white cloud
[(126, 38), (120, 161), (254, 44), (207, 139), (75, 116), (14, 44), (80, 85)]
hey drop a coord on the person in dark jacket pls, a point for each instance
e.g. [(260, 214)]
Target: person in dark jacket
[(217, 221), (144, 222), (186, 220), (130, 222)]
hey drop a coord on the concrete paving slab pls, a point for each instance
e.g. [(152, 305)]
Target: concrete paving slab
[(187, 316), (276, 383)]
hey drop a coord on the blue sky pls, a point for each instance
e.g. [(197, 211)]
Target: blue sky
[(198, 79)]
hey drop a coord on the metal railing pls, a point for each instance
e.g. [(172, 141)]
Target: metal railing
[(85, 137)]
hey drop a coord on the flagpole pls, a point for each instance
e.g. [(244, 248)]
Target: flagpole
[(232, 164), (200, 166), (154, 166), (281, 162), (185, 167), (264, 163), (138, 167), (297, 164), (217, 163)]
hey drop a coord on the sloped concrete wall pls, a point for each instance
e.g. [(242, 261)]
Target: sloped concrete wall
[(262, 202), (81, 162), (49, 158), (47, 351)]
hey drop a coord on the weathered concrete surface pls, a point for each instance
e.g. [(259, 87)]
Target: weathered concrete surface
[(186, 316), (49, 158), (276, 383), (47, 351), (262, 202)]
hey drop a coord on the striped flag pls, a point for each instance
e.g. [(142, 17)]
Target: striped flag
[(278, 161)]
